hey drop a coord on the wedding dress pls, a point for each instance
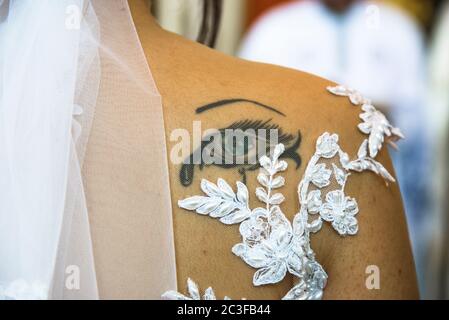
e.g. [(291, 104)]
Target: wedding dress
[(61, 59)]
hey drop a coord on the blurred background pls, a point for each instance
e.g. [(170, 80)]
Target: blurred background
[(396, 52)]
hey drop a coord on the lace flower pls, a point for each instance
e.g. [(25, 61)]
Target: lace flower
[(341, 211), (270, 246), (327, 145), (320, 176)]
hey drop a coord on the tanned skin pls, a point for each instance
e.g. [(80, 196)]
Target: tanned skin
[(190, 76)]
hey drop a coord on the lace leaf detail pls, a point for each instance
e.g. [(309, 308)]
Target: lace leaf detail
[(315, 225), (209, 294), (274, 165), (374, 124), (193, 293), (363, 162), (354, 96), (273, 273), (242, 194), (276, 199), (314, 202), (370, 164), (173, 295), (262, 195), (276, 183), (378, 127), (340, 175), (363, 150), (221, 202), (267, 178)]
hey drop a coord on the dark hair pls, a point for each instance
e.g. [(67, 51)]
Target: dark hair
[(210, 24)]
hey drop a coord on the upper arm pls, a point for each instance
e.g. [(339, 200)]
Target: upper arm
[(376, 263)]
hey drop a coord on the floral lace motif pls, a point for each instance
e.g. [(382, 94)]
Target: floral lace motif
[(194, 293), (273, 245), (375, 124)]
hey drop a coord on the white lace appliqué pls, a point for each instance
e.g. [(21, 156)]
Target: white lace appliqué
[(272, 244), (193, 293)]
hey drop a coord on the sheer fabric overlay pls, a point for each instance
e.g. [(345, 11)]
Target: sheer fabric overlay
[(59, 60)]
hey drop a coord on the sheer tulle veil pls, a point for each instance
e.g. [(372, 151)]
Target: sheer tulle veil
[(59, 59)]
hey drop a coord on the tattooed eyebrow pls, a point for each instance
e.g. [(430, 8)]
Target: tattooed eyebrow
[(226, 102)]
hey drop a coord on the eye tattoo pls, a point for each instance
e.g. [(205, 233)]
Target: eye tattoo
[(249, 140), (241, 148)]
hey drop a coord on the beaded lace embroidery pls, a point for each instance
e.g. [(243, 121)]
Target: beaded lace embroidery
[(273, 245)]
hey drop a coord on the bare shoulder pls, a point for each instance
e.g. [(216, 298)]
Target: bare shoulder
[(377, 262), (374, 263)]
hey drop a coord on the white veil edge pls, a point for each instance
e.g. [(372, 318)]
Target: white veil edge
[(45, 58), (59, 60)]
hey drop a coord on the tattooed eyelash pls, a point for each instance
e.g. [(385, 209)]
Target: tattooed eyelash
[(262, 125), (292, 143)]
